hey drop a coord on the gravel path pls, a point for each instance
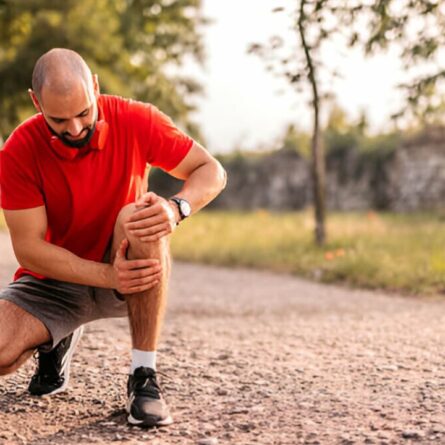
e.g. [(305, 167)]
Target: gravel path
[(253, 358)]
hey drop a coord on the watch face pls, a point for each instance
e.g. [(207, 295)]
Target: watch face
[(185, 208)]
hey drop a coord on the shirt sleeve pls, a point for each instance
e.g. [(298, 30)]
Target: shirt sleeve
[(165, 144), (19, 187)]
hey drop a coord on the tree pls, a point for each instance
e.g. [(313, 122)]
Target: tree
[(415, 27), (301, 68), (134, 45)]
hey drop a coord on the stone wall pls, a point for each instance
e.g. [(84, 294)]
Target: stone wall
[(410, 178), (278, 181), (417, 174)]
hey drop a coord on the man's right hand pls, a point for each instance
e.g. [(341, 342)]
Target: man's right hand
[(132, 276)]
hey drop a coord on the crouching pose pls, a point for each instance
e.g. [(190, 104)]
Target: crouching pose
[(90, 241)]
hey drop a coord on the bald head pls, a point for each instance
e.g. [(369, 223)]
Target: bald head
[(61, 71)]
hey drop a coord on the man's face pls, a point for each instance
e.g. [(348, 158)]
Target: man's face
[(72, 117)]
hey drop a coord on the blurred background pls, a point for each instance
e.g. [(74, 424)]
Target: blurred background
[(327, 114)]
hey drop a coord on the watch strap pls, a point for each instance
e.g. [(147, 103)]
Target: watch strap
[(177, 201)]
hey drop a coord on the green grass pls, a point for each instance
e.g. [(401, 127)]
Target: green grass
[(377, 251)]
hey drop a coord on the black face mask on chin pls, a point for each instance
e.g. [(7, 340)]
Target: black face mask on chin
[(79, 143)]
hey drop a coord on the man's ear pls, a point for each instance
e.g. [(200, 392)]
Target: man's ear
[(96, 86), (35, 101)]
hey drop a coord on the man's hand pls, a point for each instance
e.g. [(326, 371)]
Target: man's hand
[(154, 218), (131, 276)]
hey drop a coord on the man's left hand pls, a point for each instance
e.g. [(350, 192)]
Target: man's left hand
[(154, 218)]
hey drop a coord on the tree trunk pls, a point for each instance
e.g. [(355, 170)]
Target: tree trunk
[(318, 160)]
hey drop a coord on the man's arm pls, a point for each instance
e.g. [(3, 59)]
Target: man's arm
[(28, 229), (204, 178)]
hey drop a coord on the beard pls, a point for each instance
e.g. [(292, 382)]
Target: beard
[(79, 143)]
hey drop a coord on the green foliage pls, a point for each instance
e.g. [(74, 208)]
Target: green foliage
[(370, 250), (297, 140), (350, 149), (340, 134), (386, 142), (415, 29), (134, 46)]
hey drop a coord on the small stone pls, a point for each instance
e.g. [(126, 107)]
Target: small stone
[(411, 434), (438, 429), (208, 441), (223, 356), (239, 411), (346, 439), (246, 426), (388, 368)]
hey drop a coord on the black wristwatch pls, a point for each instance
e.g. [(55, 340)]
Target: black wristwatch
[(183, 207)]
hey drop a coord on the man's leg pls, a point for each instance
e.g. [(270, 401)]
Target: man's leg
[(146, 312), (145, 309), (62, 308), (20, 334)]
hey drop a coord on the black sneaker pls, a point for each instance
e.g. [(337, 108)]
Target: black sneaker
[(53, 371), (146, 406)]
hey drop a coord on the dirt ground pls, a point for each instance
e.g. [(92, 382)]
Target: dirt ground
[(252, 357)]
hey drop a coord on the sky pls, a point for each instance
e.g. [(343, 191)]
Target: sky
[(244, 106)]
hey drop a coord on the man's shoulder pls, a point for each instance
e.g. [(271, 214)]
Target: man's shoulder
[(28, 134), (111, 104)]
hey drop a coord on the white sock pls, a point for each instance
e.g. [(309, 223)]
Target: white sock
[(142, 358)]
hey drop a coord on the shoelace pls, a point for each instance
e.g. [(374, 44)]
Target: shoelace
[(149, 387), (164, 376)]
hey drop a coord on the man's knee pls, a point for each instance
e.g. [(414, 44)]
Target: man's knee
[(20, 334), (8, 357), (124, 214), (152, 249), (147, 249)]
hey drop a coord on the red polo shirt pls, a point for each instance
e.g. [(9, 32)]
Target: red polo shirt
[(84, 189)]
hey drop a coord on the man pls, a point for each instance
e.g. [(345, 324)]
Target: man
[(90, 243)]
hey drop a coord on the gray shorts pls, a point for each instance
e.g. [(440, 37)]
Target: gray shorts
[(63, 307)]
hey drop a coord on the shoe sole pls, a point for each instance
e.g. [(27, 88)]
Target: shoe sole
[(148, 424), (67, 365)]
